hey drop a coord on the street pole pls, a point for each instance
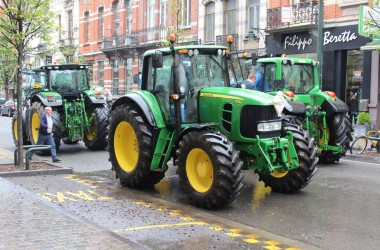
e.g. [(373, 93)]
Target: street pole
[(320, 41)]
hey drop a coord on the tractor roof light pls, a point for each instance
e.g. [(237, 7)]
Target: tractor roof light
[(183, 51), (245, 54), (230, 39), (284, 61), (331, 94), (315, 63), (175, 97), (283, 55), (49, 96), (98, 93), (172, 38)]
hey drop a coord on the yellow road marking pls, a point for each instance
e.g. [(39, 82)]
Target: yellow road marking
[(6, 154), (252, 241), (217, 228), (160, 226), (234, 235)]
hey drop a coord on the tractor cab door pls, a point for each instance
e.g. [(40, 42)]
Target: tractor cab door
[(160, 81)]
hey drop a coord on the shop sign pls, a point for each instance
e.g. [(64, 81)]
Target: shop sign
[(343, 37), (298, 42)]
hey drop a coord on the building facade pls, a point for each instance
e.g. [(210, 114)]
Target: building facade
[(114, 35), (293, 29)]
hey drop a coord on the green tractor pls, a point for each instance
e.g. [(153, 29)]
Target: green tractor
[(186, 111), (79, 113), (321, 113)]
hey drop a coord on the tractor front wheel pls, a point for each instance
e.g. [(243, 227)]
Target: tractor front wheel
[(130, 148), (339, 130), (209, 169), (291, 181), (95, 138)]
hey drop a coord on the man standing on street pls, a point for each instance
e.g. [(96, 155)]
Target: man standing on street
[(45, 134)]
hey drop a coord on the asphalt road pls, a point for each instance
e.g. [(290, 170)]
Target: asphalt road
[(338, 210)]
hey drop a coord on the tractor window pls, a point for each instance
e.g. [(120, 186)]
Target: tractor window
[(269, 71), (298, 78), (68, 80), (162, 86)]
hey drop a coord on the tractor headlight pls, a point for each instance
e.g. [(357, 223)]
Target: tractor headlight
[(269, 126)]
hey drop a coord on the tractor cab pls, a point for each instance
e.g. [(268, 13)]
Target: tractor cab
[(195, 68)]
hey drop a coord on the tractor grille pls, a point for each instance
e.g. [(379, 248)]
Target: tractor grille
[(249, 117)]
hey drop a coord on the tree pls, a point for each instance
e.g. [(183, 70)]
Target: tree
[(372, 20), (21, 22), (8, 65)]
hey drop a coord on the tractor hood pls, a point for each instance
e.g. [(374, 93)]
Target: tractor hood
[(237, 95)]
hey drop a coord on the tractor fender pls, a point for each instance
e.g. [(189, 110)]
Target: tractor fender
[(45, 102), (332, 107), (294, 107), (90, 100), (140, 102), (192, 128)]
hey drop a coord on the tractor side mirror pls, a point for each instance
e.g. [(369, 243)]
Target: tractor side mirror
[(157, 60), (254, 58)]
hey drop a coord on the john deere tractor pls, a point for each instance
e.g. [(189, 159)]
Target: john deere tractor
[(187, 112), (319, 112), (79, 113)]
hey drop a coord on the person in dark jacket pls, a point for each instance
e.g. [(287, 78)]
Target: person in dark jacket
[(45, 134)]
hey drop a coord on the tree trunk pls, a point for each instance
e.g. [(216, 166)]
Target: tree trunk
[(19, 107)]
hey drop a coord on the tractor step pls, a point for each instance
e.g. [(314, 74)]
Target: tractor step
[(163, 150)]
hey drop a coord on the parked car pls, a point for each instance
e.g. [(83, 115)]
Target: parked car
[(8, 108), (2, 101)]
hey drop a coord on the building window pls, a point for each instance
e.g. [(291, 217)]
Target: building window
[(70, 24), (231, 17), (116, 17), (186, 13), (101, 23), (163, 9), (150, 15), (87, 27), (210, 22), (128, 16), (128, 72), (101, 73), (254, 17), (115, 76)]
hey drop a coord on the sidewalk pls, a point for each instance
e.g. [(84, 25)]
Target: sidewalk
[(29, 222), (366, 156)]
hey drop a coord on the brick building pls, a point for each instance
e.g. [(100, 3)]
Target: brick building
[(114, 35)]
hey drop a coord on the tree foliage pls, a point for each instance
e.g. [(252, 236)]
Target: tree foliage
[(21, 23), (372, 20)]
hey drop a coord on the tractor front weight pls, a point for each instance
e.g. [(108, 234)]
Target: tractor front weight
[(269, 155)]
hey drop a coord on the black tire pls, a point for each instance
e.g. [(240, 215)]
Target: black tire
[(292, 181), (14, 132), (36, 111), (130, 148), (96, 137), (214, 151), (340, 130), (69, 142), (359, 145)]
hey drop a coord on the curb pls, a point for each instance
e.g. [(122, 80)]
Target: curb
[(362, 158), (58, 170)]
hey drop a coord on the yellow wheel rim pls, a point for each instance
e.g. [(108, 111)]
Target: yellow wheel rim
[(279, 174), (35, 126), (199, 170), (126, 146), (15, 130), (92, 129)]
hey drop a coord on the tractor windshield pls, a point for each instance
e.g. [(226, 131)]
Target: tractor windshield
[(68, 80), (204, 70), (298, 78)]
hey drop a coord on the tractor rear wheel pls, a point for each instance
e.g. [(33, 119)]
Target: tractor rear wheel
[(209, 169), (291, 181), (130, 148), (339, 130), (36, 111), (15, 134), (96, 136)]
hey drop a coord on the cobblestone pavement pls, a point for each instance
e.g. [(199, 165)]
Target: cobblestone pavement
[(29, 222)]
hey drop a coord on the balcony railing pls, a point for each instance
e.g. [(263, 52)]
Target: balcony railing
[(138, 38), (302, 13)]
